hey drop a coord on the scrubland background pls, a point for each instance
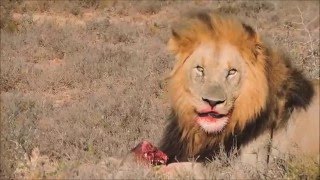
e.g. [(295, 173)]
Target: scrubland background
[(82, 81)]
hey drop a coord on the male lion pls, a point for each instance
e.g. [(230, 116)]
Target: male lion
[(228, 88)]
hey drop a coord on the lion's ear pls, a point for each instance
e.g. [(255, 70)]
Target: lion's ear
[(180, 44), (182, 40), (254, 38), (252, 33), (174, 42)]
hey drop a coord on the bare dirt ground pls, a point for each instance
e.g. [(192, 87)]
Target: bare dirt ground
[(82, 82)]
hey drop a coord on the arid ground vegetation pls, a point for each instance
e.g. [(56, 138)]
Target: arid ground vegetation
[(83, 81)]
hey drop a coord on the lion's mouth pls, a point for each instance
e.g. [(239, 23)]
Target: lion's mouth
[(212, 114), (212, 121)]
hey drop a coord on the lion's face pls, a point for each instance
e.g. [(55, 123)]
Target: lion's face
[(218, 82), (213, 77)]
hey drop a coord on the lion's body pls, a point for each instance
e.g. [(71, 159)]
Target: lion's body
[(299, 137), (264, 95)]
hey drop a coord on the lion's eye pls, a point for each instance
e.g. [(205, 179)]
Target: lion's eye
[(200, 70), (231, 72)]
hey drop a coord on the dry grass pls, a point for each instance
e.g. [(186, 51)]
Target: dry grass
[(82, 82)]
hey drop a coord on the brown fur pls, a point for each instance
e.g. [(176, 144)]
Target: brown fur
[(271, 91)]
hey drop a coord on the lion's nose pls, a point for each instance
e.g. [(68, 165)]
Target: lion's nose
[(213, 103)]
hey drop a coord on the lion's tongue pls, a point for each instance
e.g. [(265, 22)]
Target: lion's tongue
[(215, 115)]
